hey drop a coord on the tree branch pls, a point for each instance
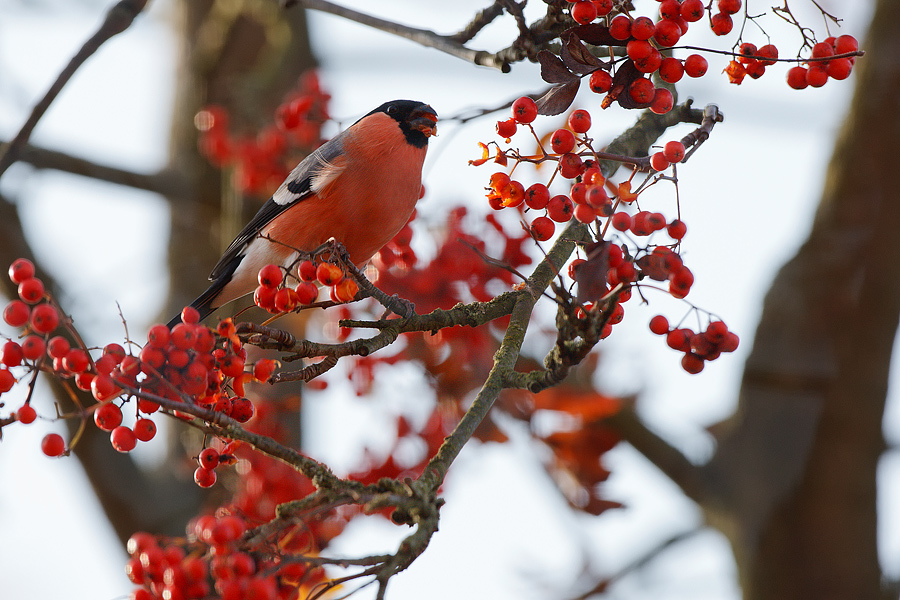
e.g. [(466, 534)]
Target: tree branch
[(118, 19)]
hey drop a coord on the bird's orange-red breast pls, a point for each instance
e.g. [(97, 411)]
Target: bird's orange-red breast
[(359, 188)]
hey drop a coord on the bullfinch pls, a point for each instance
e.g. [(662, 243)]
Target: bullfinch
[(359, 188)]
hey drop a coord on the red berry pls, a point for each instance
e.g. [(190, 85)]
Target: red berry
[(691, 363), (524, 110), (822, 50), (641, 91), (270, 276), (158, 336), (580, 121), (560, 208), (123, 439), (842, 45), (542, 229), (667, 33), (307, 292), (642, 28), (658, 162), (570, 165), (16, 313), (346, 290), (620, 27), (11, 354), (621, 221), (722, 24), (263, 369), (537, 196), (674, 151), (329, 274), (205, 478), (638, 49), (562, 141), (183, 336), (651, 63), (286, 300), (600, 81), (695, 66), (839, 68), (663, 101), (209, 458), (144, 429), (676, 229), (692, 10), (306, 270), (679, 339), (728, 6), (604, 7), (585, 213), (44, 318), (31, 290), (507, 128), (108, 416), (796, 77), (7, 380), (57, 347), (669, 9), (103, 388), (659, 325), (583, 12), (681, 282), (241, 409), (816, 76), (33, 347), (76, 360), (767, 54), (20, 270), (671, 70), (26, 414), (53, 445)]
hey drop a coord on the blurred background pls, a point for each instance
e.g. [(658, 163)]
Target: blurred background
[(135, 239)]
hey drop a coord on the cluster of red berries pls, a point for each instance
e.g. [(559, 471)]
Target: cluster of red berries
[(591, 196), (210, 561), (281, 291), (593, 199), (260, 161), (189, 363), (697, 347), (821, 67), (643, 39)]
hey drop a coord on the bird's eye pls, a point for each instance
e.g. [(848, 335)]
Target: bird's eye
[(391, 109)]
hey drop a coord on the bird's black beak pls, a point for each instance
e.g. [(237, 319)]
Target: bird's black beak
[(424, 119)]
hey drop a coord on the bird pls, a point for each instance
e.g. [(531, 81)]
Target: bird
[(359, 188)]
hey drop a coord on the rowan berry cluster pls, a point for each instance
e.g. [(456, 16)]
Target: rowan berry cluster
[(191, 364), (210, 561), (647, 45), (284, 290), (821, 67), (613, 209), (697, 347), (259, 162)]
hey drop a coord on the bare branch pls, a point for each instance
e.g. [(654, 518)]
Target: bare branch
[(118, 19)]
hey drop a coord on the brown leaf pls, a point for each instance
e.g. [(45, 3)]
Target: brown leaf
[(653, 266), (558, 98), (595, 34), (591, 274), (553, 70), (577, 57), (625, 75)]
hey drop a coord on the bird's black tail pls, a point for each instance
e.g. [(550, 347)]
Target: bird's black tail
[(204, 301)]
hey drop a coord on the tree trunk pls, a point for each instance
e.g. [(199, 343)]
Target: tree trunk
[(795, 475)]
